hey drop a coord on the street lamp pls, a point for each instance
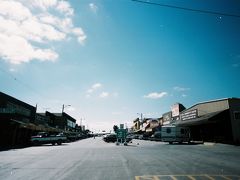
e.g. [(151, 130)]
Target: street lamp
[(65, 106), (141, 118)]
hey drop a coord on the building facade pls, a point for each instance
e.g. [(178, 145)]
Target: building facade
[(216, 120), (16, 121)]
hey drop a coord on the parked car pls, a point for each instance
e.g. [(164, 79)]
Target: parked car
[(46, 138), (129, 139), (110, 138), (156, 136)]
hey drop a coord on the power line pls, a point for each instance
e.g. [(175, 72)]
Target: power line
[(22, 83), (187, 9)]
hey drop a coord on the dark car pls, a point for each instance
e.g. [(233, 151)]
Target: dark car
[(129, 139), (110, 138)]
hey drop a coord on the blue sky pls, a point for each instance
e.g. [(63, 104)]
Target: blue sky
[(113, 59)]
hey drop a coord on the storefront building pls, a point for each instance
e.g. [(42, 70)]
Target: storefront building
[(217, 120), (61, 121), (16, 121)]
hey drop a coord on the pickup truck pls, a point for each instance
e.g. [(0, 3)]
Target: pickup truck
[(45, 138)]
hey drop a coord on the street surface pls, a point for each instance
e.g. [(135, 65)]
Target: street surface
[(93, 159)]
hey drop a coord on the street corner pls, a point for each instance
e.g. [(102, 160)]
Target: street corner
[(188, 177)]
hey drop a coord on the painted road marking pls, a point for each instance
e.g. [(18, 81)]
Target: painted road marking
[(188, 177)]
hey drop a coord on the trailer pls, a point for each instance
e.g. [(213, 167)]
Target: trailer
[(171, 134)]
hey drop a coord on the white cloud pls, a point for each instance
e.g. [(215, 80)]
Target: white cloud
[(81, 36), (65, 8), (156, 95), (94, 87), (94, 92), (184, 95), (104, 95), (93, 7), (26, 34), (177, 88)]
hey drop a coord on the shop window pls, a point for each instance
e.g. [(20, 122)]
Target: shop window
[(237, 115), (182, 131)]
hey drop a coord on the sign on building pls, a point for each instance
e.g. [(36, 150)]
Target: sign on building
[(192, 114), (175, 110)]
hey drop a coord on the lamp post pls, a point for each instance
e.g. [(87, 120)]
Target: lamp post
[(64, 107), (141, 118)]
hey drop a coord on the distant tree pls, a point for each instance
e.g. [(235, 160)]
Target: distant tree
[(115, 128)]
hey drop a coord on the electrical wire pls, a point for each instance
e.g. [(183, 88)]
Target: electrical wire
[(22, 83), (187, 9)]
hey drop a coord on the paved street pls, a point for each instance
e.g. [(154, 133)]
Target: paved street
[(93, 159)]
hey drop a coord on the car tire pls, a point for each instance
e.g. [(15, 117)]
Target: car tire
[(59, 142)]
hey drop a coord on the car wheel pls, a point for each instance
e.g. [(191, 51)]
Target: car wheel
[(59, 142)]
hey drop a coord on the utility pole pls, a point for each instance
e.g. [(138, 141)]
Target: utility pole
[(63, 106)]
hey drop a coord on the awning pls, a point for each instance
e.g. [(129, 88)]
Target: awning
[(22, 124), (205, 119)]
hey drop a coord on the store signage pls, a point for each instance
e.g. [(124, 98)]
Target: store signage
[(189, 115), (167, 116), (175, 110)]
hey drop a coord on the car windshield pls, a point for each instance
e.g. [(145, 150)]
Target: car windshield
[(119, 89)]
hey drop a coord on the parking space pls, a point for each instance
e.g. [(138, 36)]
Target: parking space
[(189, 177)]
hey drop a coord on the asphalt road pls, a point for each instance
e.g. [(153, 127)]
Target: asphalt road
[(93, 159)]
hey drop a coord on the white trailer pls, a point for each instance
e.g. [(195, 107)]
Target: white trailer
[(170, 134)]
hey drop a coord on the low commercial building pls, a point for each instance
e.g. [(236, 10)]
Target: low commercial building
[(61, 121), (16, 121), (167, 118), (136, 125), (153, 125), (217, 120)]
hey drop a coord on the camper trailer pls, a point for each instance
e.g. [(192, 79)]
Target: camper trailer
[(172, 134)]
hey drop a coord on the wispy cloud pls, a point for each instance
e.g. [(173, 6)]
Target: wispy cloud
[(94, 91), (184, 95), (156, 95), (104, 95), (94, 87), (177, 88), (93, 7), (28, 27)]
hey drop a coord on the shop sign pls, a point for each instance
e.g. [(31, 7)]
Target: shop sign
[(189, 115), (167, 116), (175, 110)]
